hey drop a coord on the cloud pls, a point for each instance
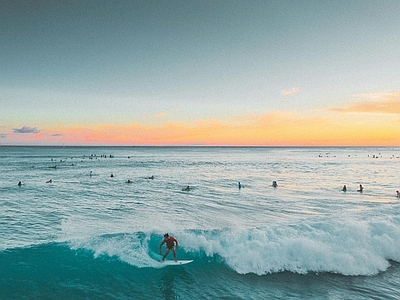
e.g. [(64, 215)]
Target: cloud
[(378, 103), (371, 126), (160, 115), (290, 92), (279, 128), (26, 129)]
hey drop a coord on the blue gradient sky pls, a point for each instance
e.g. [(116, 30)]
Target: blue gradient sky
[(69, 64)]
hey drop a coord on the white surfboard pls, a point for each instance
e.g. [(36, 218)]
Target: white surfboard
[(175, 263)]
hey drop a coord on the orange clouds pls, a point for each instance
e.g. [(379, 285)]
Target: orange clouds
[(371, 121), (272, 129), (384, 102)]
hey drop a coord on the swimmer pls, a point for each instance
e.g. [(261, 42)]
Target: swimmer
[(112, 175), (20, 183), (186, 188), (344, 189), (49, 181), (274, 184), (151, 177), (397, 194), (361, 189), (129, 181), (239, 185)]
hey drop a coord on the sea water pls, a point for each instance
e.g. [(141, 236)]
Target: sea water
[(89, 234)]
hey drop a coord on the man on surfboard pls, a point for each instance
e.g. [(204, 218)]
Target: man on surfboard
[(170, 242)]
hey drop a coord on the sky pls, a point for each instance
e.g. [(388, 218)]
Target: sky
[(246, 73)]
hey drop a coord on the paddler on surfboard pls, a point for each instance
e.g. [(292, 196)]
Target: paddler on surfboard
[(170, 245)]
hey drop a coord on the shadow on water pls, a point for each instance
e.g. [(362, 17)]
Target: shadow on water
[(173, 281)]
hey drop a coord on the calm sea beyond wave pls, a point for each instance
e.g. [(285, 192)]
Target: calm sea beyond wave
[(90, 235)]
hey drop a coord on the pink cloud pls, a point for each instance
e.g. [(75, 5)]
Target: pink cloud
[(290, 92)]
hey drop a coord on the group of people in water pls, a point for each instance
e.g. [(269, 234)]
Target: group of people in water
[(188, 188), (361, 188), (344, 189), (240, 185)]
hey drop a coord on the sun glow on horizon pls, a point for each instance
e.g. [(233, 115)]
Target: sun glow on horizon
[(374, 121)]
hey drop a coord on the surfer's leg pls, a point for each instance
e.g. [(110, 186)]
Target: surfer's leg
[(165, 255), (174, 253)]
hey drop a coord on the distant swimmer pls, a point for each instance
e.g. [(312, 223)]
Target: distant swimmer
[(186, 188), (171, 244), (344, 189), (112, 175), (397, 194), (54, 167), (151, 177), (274, 184), (91, 173), (361, 189), (49, 181), (20, 183), (129, 181), (239, 185)]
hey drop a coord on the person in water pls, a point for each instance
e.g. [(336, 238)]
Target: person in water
[(344, 189), (274, 184), (397, 194), (20, 183), (170, 242), (186, 188), (361, 189), (239, 185)]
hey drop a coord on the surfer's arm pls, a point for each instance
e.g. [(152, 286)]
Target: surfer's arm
[(176, 242), (159, 247)]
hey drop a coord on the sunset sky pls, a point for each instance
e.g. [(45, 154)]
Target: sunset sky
[(262, 73)]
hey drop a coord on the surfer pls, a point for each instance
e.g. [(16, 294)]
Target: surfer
[(274, 184), (361, 189), (170, 245), (344, 189)]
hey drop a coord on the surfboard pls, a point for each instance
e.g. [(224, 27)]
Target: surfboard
[(176, 263)]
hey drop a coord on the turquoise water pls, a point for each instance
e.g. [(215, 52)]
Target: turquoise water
[(88, 235)]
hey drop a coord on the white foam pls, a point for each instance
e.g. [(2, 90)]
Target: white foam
[(123, 240), (323, 244), (339, 246)]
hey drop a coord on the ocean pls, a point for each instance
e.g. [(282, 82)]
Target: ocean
[(90, 235)]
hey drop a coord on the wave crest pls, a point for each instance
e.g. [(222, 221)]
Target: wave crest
[(344, 247)]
